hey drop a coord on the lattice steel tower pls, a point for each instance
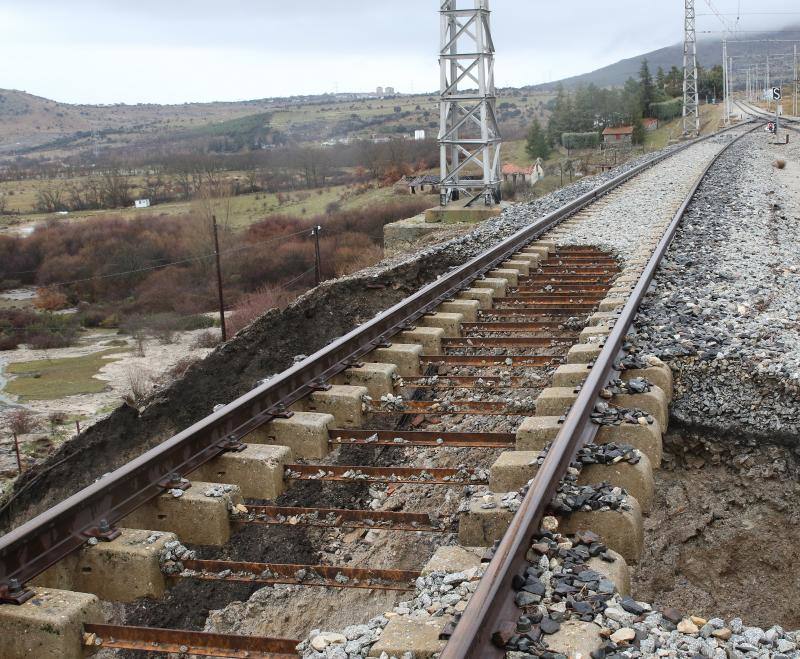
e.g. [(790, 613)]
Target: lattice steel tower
[(469, 137), (691, 96)]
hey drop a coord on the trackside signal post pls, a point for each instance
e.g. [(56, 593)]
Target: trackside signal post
[(469, 137)]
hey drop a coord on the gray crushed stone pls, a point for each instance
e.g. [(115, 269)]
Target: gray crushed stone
[(724, 308)]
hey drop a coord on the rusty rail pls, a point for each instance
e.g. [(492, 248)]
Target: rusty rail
[(30, 549), (202, 644), (492, 605)]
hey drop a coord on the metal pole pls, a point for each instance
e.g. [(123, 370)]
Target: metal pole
[(725, 80), (317, 260), (219, 281), (16, 449), (796, 82)]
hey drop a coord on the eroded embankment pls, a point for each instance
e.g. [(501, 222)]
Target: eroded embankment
[(723, 537), (266, 347)]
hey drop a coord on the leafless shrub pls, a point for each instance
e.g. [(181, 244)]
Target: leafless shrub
[(207, 339), (253, 305), (139, 385), (21, 421)]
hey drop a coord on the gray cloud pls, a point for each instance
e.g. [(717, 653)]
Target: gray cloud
[(176, 50)]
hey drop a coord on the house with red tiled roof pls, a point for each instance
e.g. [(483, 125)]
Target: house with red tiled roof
[(530, 174), (618, 136)]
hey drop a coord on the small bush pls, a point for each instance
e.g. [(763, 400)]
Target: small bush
[(180, 368), (667, 109), (21, 422), (50, 299), (253, 305), (205, 340), (580, 140), (9, 341)]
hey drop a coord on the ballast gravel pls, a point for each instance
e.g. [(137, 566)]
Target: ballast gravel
[(724, 308)]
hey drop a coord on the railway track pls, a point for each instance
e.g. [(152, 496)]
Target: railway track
[(757, 113), (432, 390)]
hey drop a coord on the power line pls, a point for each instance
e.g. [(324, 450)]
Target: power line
[(165, 265)]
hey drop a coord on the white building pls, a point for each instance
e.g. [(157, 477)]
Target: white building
[(142, 203), (389, 91), (379, 91), (419, 135)]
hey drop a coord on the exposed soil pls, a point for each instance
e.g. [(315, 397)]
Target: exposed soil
[(723, 538), (266, 347)]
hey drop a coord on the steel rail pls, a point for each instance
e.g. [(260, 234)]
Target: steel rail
[(492, 605), (757, 113), (39, 543)]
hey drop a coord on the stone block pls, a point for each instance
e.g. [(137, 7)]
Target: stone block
[(467, 308), (430, 338), (621, 530), (377, 378), (602, 318), (659, 374), (612, 304), (645, 438), (195, 517), (305, 433), (483, 296), (403, 355), (535, 432), (522, 266), (636, 479), (47, 626), (583, 353), (257, 471), (617, 572), (512, 470), (343, 402), (449, 322), (122, 570), (497, 284), (509, 274), (480, 527), (570, 375), (593, 333), (419, 637)]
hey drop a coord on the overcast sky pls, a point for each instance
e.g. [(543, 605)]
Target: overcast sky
[(172, 51)]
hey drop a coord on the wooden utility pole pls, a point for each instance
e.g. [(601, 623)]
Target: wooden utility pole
[(219, 281), (16, 449), (317, 259)]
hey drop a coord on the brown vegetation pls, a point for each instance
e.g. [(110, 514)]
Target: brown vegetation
[(112, 269)]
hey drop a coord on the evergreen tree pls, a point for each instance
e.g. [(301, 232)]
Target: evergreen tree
[(638, 131), (674, 82), (537, 146), (561, 120), (646, 86), (661, 79)]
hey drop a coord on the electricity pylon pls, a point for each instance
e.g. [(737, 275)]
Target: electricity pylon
[(469, 137), (691, 95)]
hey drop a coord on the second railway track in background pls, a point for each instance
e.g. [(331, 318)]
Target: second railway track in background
[(450, 373)]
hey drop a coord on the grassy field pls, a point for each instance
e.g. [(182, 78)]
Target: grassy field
[(50, 379), (239, 211)]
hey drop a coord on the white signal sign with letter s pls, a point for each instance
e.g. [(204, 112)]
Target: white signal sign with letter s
[(776, 93)]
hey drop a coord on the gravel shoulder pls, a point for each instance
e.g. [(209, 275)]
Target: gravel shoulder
[(724, 308)]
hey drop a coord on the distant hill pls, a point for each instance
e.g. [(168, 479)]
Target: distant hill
[(709, 53), (28, 121)]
